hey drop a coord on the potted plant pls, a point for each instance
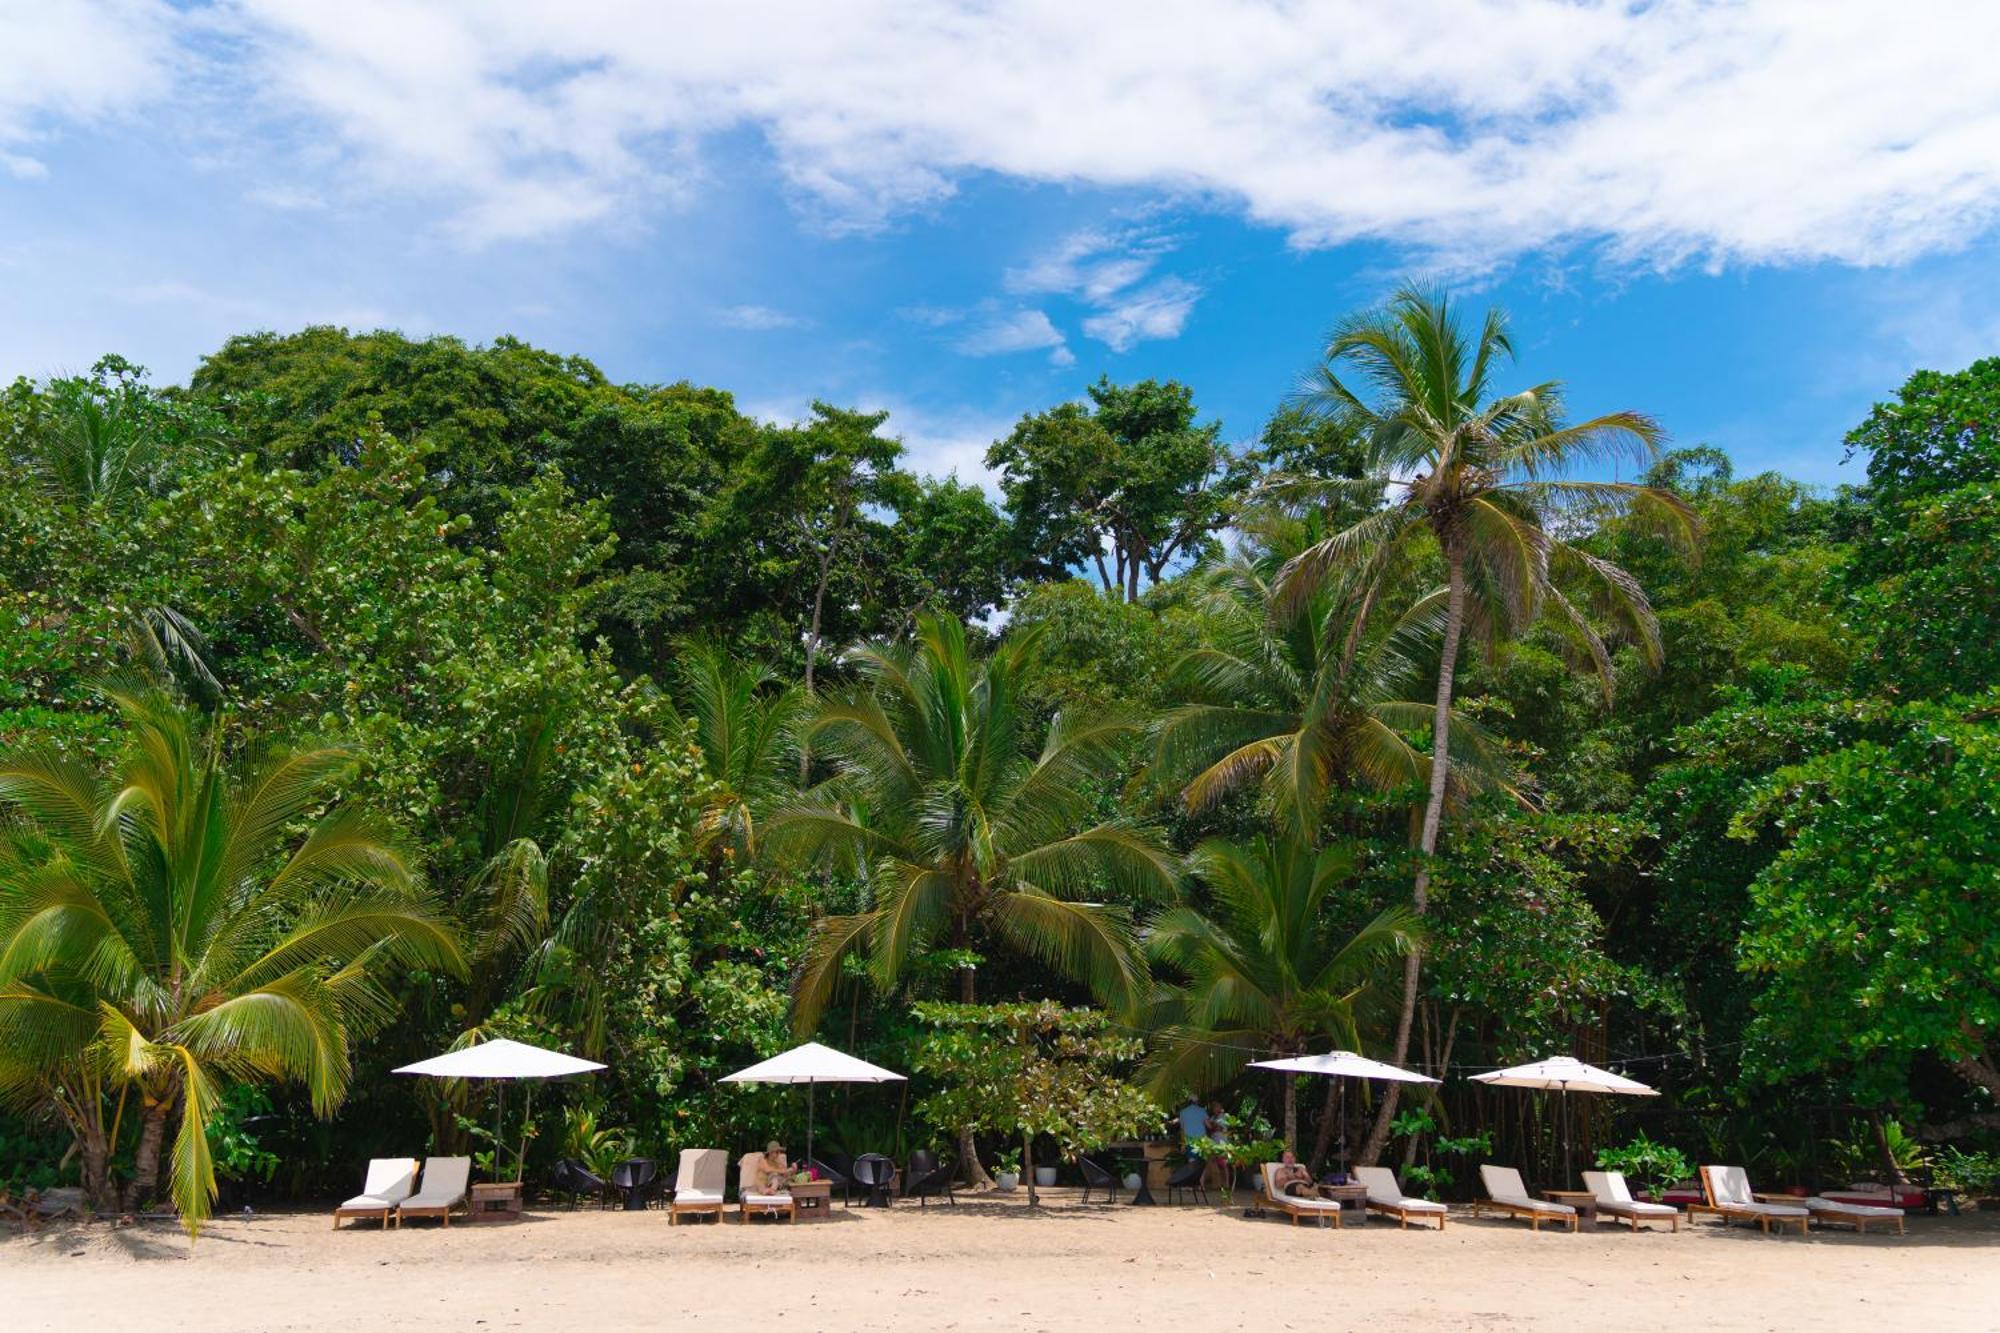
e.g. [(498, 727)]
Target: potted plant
[(1007, 1169), (1045, 1176)]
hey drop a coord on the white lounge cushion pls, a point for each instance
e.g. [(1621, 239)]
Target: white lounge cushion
[(687, 1196), (1835, 1208), (390, 1180), (1730, 1186), (445, 1181), (1503, 1185), (1615, 1196), (768, 1200), (1637, 1208), (700, 1173), (1386, 1190)]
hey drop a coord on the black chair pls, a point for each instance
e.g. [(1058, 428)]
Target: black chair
[(1190, 1178), (638, 1179), (926, 1176), (573, 1178), (875, 1173), (838, 1171), (1096, 1177)]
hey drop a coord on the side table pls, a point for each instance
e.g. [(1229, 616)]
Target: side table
[(812, 1201), (1583, 1201), (495, 1201)]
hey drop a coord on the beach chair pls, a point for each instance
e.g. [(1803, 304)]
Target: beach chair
[(1860, 1216), (390, 1180), (750, 1199), (699, 1179), (1190, 1178), (574, 1179), (1726, 1194), (1505, 1193), (927, 1177), (444, 1187), (1385, 1195), (1614, 1199), (837, 1170), (1320, 1210), (1095, 1177)]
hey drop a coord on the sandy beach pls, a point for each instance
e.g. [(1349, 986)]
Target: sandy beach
[(990, 1264)]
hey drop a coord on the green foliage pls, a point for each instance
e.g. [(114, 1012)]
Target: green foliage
[(1647, 1166), (1031, 1069), (1876, 930), (1973, 1173)]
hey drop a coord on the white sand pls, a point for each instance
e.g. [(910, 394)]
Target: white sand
[(991, 1265)]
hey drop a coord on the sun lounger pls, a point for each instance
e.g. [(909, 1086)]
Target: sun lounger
[(1726, 1191), (1506, 1193), (390, 1180), (1385, 1195), (1860, 1216), (1321, 1210), (445, 1181), (699, 1180), (1614, 1199), (750, 1199)]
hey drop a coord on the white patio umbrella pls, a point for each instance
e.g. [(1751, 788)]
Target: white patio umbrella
[(1342, 1065), (813, 1064), (1565, 1074), (504, 1061)]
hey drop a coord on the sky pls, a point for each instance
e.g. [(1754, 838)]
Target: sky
[(1751, 220)]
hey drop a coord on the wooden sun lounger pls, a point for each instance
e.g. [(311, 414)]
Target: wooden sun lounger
[(1320, 1210), (1860, 1216), (699, 1179), (1506, 1193), (750, 1201), (1385, 1196), (390, 1180), (444, 1189), (1726, 1194), (1614, 1199)]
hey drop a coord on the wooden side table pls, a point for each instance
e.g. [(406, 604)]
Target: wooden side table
[(1351, 1198), (813, 1201), (1583, 1201), (495, 1201)]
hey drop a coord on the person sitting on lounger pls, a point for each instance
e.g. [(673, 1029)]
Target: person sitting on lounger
[(1291, 1178), (774, 1173)]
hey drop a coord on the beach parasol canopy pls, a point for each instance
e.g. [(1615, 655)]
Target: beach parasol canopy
[(503, 1060), (813, 1064), (1342, 1065), (1565, 1074)]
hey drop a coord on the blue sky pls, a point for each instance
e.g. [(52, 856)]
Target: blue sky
[(1749, 221)]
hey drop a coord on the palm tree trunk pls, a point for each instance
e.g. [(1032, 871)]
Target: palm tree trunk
[(144, 1188), (1420, 894), (968, 1148)]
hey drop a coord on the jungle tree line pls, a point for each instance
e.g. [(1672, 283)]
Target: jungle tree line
[(619, 720)]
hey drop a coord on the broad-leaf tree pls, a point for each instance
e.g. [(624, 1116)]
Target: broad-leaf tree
[(1480, 483), (185, 922)]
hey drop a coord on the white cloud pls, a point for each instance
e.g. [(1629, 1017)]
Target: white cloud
[(1019, 331), (1155, 311), (1668, 132), (759, 318)]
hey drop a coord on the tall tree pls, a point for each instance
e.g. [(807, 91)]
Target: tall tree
[(1132, 476), (1264, 969), (962, 835), (164, 931), (1477, 483)]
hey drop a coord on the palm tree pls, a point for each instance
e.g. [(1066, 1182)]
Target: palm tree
[(961, 835), (1478, 483), (1292, 694), (1264, 971), (741, 718), (168, 930)]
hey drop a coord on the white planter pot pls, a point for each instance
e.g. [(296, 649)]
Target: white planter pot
[(1132, 1180), (1008, 1181), (1045, 1175)]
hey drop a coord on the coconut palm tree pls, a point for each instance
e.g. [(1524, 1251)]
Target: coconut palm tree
[(1263, 970), (1289, 695), (962, 834), (1482, 485), (185, 922), (741, 718)]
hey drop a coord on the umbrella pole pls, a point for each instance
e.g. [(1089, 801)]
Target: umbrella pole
[(812, 1090), (1343, 1123), (1563, 1103), (527, 1118), (499, 1121)]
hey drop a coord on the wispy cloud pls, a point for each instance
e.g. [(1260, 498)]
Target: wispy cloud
[(759, 318), (1101, 270), (1159, 310), (1662, 134), (1018, 331)]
